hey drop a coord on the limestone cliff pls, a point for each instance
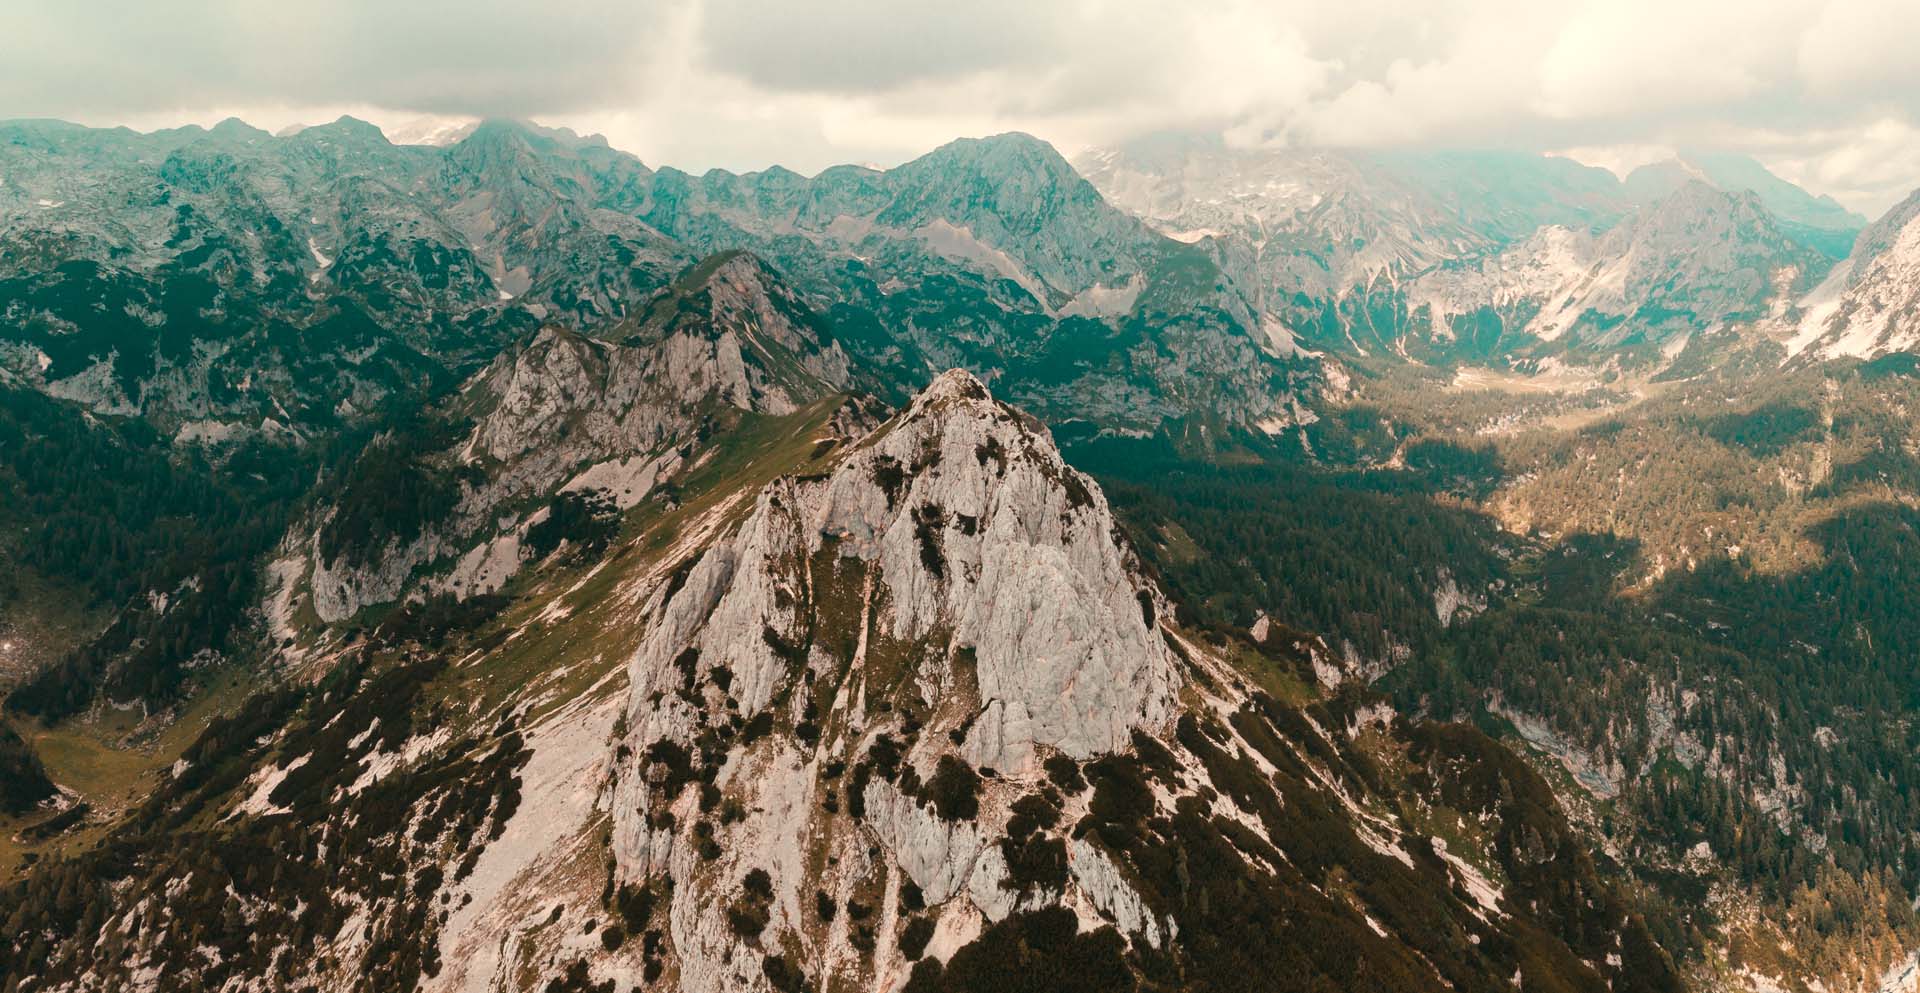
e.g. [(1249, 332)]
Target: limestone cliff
[(951, 594), (612, 418)]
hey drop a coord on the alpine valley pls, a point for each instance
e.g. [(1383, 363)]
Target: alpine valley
[(497, 564)]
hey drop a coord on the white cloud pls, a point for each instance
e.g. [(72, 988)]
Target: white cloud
[(1619, 159), (1636, 57), (126, 57), (1824, 90), (1863, 50), (865, 46), (1868, 168)]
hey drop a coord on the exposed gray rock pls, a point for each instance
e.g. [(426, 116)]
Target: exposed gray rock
[(993, 594), (1870, 305), (572, 412)]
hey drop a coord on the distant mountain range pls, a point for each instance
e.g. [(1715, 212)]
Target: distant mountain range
[(1481, 256), (489, 562), (302, 278), (263, 283)]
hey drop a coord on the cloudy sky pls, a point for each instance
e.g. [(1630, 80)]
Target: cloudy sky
[(1825, 92)]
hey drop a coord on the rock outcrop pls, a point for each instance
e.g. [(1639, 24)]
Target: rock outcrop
[(951, 596), (612, 418), (921, 704), (1870, 304)]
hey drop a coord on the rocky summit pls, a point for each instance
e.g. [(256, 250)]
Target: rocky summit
[(908, 717), (1218, 563)]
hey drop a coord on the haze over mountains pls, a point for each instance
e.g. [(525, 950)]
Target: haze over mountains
[(1486, 252), (1490, 256), (494, 562)]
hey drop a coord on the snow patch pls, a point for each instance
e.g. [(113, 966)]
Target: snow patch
[(264, 782)]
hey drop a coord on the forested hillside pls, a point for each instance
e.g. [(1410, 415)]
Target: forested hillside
[(1702, 611)]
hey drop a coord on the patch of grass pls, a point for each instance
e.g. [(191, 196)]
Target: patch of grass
[(559, 660), (111, 760)]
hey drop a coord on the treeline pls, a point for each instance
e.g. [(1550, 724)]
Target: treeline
[(169, 538), (1715, 698), (166, 536), (23, 780), (109, 506), (1354, 556), (392, 489)]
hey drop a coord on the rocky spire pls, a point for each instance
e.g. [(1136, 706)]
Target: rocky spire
[(950, 597)]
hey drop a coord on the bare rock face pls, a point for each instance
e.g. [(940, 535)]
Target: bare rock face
[(998, 540), (1699, 260), (1870, 304), (1465, 253), (848, 696), (727, 331), (342, 587), (571, 412)]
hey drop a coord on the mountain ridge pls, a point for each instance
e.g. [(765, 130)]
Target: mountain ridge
[(513, 224), (510, 565), (1347, 249), (791, 789)]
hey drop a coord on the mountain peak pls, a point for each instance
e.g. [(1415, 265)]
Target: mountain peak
[(1013, 157), (729, 280), (1013, 202), (1012, 150), (344, 128), (959, 395), (731, 263), (493, 129), (1696, 200), (1819, 222), (1734, 171), (235, 128), (1656, 181), (954, 385), (943, 609), (429, 130), (1696, 204), (730, 320)]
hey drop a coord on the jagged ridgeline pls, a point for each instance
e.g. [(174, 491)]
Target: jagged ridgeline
[(861, 708), (566, 418), (228, 281), (240, 315), (604, 629), (1469, 257)]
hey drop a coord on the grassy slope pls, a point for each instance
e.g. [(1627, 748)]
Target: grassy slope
[(567, 629)]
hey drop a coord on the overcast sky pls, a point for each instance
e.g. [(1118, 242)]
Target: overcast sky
[(1826, 92)]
